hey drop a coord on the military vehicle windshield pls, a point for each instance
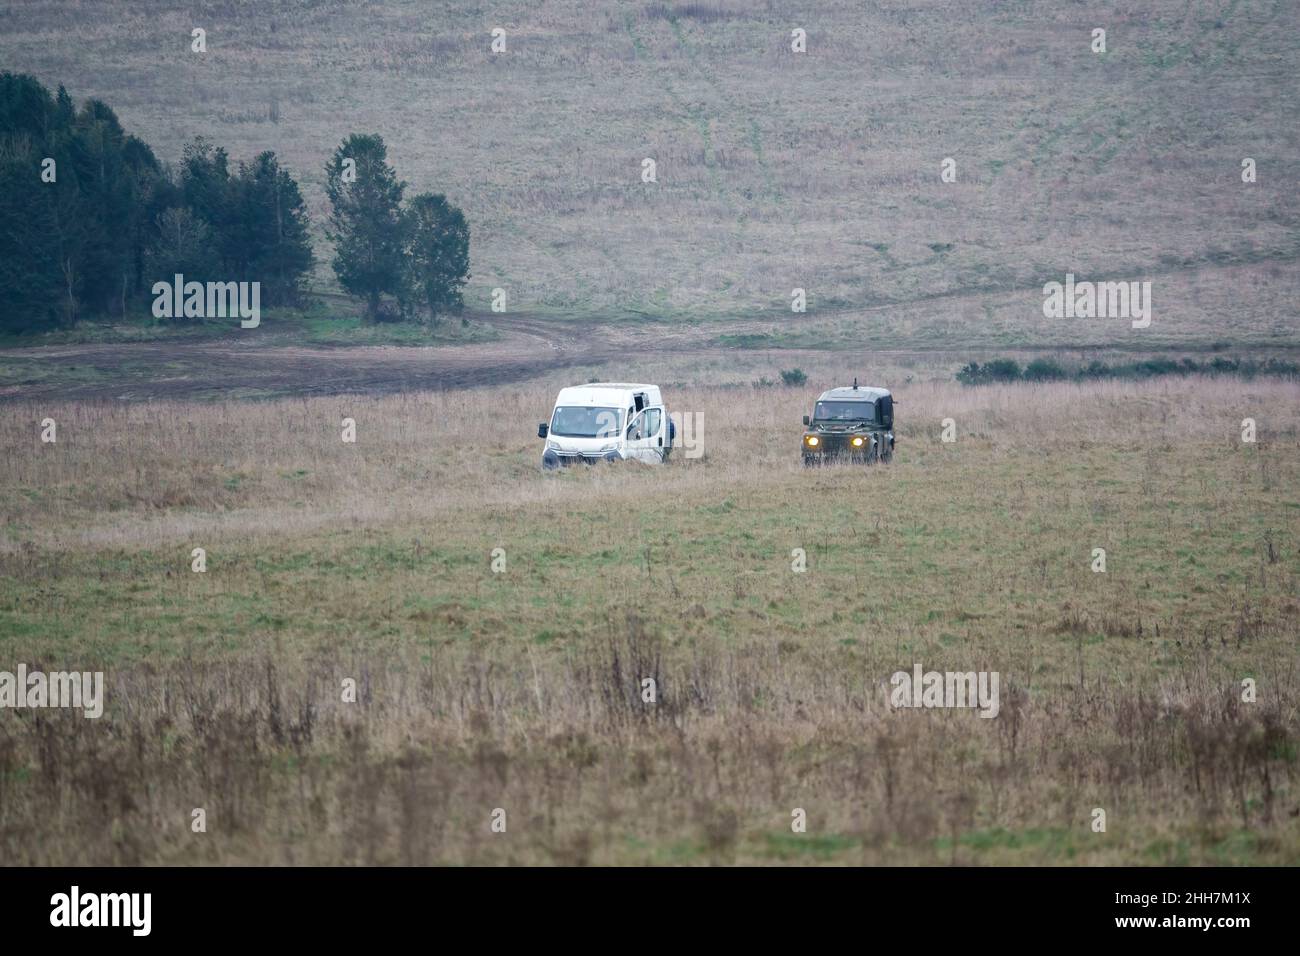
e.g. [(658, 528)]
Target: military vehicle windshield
[(574, 421), (845, 412)]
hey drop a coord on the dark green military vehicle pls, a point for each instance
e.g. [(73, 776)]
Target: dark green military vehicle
[(853, 424)]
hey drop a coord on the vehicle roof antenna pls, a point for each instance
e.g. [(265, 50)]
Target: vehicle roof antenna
[(855, 383)]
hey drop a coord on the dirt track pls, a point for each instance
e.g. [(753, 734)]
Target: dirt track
[(529, 345), (149, 370)]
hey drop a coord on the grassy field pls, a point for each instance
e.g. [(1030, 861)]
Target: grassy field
[(775, 170), (520, 690), (318, 324)]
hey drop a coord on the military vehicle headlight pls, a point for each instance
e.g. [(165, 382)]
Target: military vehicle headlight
[(857, 441), (812, 441)]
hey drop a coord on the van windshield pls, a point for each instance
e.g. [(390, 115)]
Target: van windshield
[(845, 412), (576, 421)]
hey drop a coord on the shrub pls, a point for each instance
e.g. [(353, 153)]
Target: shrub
[(999, 370), (793, 377), (1161, 366), (1003, 370), (1047, 370), (1043, 370)]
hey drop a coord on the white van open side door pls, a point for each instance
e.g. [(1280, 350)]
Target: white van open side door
[(647, 435)]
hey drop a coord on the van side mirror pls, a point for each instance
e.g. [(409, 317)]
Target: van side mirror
[(805, 419), (542, 430)]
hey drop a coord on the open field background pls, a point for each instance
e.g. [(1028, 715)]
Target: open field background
[(775, 170), (519, 690)]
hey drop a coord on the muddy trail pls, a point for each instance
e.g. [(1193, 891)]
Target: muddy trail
[(526, 347)]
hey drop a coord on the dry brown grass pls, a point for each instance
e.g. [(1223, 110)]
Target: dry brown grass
[(519, 690), (370, 562), (775, 171), (142, 474), (587, 774)]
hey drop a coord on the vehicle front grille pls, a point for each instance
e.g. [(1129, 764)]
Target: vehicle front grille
[(837, 443)]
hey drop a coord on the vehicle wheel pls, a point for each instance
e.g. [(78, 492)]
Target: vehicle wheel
[(808, 461)]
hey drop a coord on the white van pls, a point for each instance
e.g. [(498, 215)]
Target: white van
[(607, 421)]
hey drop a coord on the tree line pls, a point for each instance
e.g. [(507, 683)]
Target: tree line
[(90, 220)]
